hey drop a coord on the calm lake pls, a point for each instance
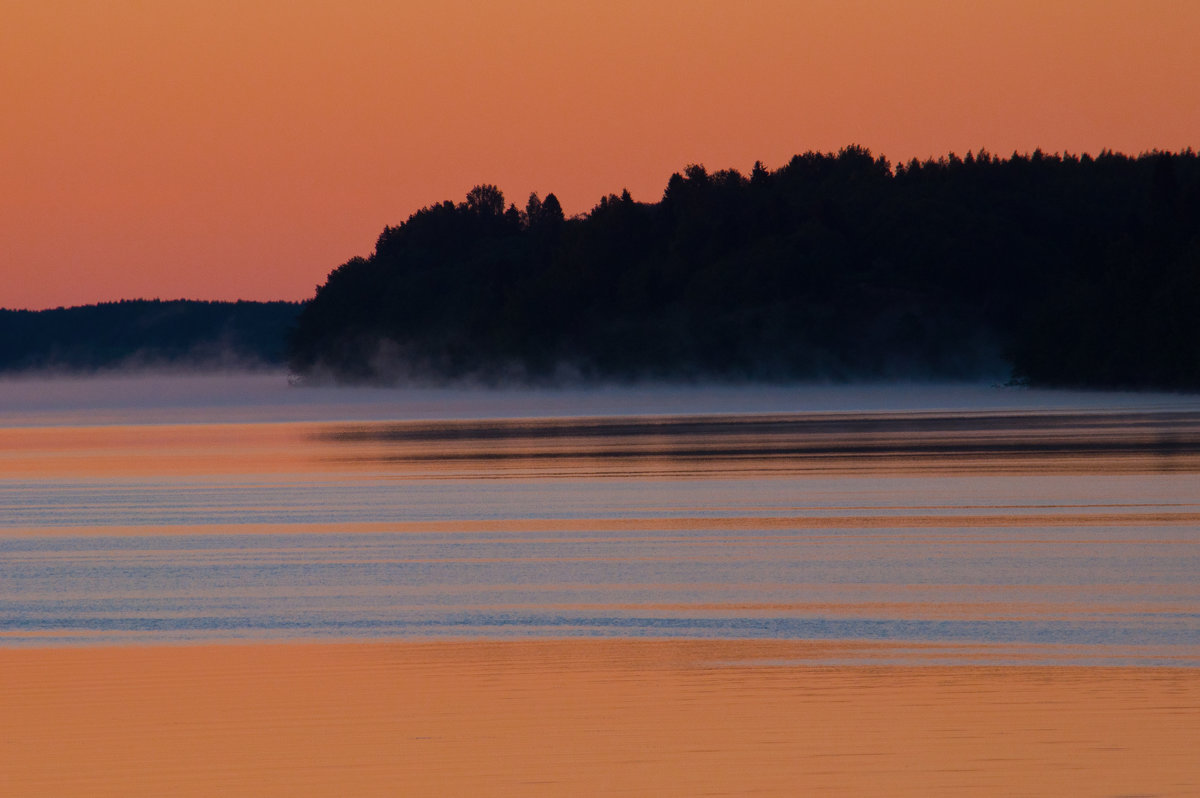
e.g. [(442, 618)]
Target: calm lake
[(953, 523)]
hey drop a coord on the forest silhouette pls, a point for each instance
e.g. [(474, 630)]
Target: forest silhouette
[(147, 333), (1046, 269)]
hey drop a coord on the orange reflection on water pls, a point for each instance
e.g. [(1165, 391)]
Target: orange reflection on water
[(582, 718), (152, 450), (672, 447)]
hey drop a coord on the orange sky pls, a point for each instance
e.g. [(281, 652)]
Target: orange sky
[(223, 149)]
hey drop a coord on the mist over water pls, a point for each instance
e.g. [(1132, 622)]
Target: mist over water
[(957, 522), (150, 397)]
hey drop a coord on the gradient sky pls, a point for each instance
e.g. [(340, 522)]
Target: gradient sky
[(225, 149)]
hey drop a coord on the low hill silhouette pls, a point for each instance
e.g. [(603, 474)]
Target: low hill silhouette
[(146, 333)]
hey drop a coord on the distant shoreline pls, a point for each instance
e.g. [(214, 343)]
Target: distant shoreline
[(147, 334)]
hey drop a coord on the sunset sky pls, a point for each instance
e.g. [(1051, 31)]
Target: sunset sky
[(225, 149)]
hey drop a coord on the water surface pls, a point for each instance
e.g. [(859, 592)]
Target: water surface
[(956, 524)]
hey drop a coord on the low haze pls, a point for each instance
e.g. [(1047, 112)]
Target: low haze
[(148, 397)]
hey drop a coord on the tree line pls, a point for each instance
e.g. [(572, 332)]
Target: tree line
[(147, 333), (1050, 269)]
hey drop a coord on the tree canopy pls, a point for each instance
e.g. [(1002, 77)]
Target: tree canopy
[(1052, 269)]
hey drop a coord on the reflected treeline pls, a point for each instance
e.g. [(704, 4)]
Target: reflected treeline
[(1094, 442), (1056, 270), (140, 333)]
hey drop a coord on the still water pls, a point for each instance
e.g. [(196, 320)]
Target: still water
[(953, 523)]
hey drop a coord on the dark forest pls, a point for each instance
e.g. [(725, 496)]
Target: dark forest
[(1043, 269), (147, 333)]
